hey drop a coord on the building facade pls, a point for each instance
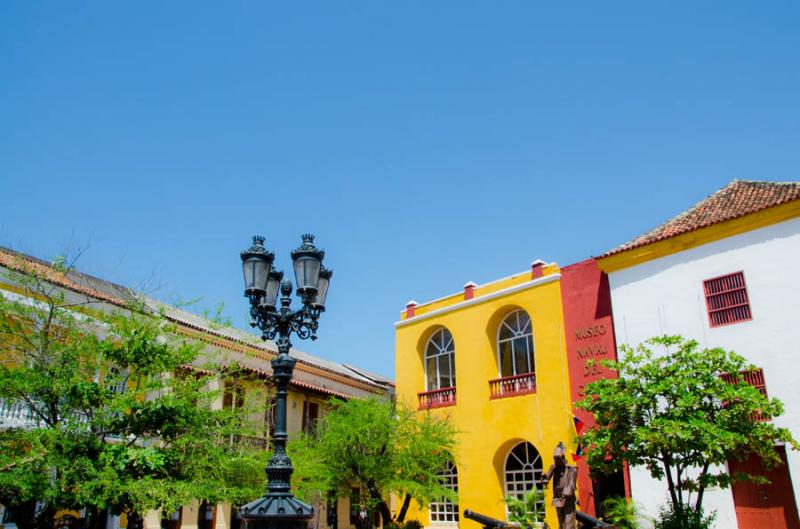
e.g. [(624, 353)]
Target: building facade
[(722, 273), (315, 382), (496, 361), (590, 339)]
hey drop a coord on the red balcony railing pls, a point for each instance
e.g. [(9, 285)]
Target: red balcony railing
[(514, 385), (437, 398)]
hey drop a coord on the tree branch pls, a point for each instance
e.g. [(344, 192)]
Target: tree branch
[(701, 488), (670, 483)]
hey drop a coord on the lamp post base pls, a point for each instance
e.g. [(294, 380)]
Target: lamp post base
[(277, 511)]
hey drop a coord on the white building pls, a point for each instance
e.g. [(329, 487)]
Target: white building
[(724, 273)]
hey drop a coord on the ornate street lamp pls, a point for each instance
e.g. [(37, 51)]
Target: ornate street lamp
[(278, 508)]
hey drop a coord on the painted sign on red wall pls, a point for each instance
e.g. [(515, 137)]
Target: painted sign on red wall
[(589, 329)]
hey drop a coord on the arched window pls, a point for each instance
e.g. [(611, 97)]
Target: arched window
[(523, 472), (515, 344), (444, 510), (440, 366)]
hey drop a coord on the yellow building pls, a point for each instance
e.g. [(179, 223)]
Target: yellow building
[(492, 359)]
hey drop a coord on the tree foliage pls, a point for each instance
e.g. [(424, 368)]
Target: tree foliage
[(624, 513), (682, 517), (527, 510), (379, 446), (676, 415), (116, 418)]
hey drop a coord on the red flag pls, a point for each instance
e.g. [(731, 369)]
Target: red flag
[(578, 452), (579, 424)]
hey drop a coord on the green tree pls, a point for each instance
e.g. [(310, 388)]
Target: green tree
[(117, 418), (682, 414), (378, 446)]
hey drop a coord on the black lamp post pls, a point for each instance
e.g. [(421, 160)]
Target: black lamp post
[(278, 508)]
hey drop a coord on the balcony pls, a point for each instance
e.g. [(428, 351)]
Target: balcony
[(437, 398), (250, 441), (501, 388), (17, 414)]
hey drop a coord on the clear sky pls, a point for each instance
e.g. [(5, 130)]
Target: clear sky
[(426, 143)]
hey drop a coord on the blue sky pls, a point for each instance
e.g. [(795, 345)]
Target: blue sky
[(427, 144)]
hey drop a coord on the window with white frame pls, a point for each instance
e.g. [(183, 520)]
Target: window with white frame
[(445, 510), (523, 472), (515, 344), (440, 367)]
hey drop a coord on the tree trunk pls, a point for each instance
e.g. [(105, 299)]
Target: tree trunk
[(383, 509), (678, 483), (698, 505), (404, 509), (386, 514), (46, 518), (670, 482)]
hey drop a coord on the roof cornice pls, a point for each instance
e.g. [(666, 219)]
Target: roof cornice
[(25, 264), (685, 241), (480, 299)]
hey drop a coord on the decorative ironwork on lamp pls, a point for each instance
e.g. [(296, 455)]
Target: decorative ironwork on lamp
[(278, 508)]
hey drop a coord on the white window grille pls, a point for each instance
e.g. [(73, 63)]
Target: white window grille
[(515, 344), (523, 472), (445, 510), (440, 367)]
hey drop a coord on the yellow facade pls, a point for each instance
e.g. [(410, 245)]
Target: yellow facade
[(490, 427)]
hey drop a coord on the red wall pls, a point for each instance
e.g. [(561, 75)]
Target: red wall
[(589, 332)]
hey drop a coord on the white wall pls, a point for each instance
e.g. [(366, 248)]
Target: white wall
[(665, 296)]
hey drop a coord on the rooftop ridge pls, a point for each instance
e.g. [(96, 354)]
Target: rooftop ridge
[(175, 314)]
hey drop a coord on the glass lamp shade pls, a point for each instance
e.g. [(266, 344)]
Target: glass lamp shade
[(307, 262), (322, 287), (256, 264), (273, 287)]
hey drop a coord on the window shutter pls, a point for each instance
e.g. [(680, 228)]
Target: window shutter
[(727, 301)]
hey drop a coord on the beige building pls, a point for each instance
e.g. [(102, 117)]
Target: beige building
[(315, 382)]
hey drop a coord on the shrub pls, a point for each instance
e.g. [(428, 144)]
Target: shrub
[(527, 510), (683, 517), (623, 513), (412, 524)]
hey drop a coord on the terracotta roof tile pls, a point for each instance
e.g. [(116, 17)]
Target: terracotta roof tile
[(123, 297), (71, 279), (737, 199)]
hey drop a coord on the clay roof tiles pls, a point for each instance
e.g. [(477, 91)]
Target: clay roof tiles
[(121, 296), (737, 199)]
